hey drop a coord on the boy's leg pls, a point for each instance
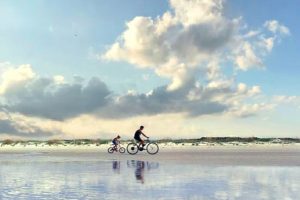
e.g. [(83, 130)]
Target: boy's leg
[(115, 147)]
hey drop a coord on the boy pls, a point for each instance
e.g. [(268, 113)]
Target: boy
[(116, 142)]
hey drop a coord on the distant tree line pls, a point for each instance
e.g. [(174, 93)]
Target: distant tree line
[(177, 141)]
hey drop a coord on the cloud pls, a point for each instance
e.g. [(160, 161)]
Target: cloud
[(174, 124), (246, 110), (51, 97), (17, 126), (14, 77), (293, 101), (246, 57), (57, 99), (156, 102), (192, 38), (189, 36), (178, 111), (218, 97), (285, 99), (275, 27), (189, 44)]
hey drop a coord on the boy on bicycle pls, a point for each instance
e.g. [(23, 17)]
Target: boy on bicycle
[(116, 142), (137, 135)]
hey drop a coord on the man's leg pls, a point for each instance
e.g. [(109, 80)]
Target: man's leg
[(140, 144)]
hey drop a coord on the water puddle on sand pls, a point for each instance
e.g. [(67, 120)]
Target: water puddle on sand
[(136, 179)]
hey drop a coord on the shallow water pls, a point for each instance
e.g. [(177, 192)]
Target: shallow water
[(60, 176)]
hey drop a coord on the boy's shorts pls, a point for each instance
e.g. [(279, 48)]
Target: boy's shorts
[(114, 142)]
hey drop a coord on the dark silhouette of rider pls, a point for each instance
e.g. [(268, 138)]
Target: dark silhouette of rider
[(137, 135), (139, 171), (116, 166)]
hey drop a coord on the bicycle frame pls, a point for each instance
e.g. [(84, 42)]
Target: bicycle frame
[(116, 147)]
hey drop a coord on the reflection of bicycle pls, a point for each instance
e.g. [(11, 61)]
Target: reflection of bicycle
[(151, 147), (148, 165), (116, 149), (141, 167)]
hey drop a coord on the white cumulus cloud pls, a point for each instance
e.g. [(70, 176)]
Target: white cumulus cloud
[(188, 36), (275, 27)]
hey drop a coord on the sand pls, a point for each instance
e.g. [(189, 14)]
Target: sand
[(228, 155)]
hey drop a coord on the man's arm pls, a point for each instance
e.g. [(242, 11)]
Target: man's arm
[(145, 135)]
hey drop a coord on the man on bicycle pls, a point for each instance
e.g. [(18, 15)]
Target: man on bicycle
[(137, 136)]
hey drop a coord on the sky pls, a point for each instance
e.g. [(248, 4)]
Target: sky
[(182, 68)]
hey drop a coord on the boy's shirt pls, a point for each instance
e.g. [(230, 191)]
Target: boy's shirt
[(115, 140)]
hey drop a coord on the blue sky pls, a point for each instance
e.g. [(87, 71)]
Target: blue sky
[(56, 37), (69, 38), (283, 64)]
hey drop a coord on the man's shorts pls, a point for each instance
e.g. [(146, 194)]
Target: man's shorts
[(138, 139)]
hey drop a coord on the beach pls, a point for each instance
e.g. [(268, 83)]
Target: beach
[(176, 172), (254, 155)]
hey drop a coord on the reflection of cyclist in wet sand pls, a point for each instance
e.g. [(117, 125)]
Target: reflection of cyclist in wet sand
[(116, 166), (137, 135), (140, 167), (139, 171)]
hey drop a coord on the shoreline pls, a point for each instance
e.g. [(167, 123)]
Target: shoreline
[(272, 156), (163, 147), (203, 155)]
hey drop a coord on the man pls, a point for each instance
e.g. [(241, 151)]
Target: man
[(137, 135)]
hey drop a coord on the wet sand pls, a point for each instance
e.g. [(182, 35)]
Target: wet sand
[(217, 155), (174, 173)]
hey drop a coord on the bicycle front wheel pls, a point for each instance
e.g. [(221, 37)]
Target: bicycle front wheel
[(122, 150), (110, 150), (132, 148), (152, 148)]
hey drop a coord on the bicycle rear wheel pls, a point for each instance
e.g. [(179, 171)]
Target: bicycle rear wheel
[(122, 150), (152, 148), (132, 148), (110, 150)]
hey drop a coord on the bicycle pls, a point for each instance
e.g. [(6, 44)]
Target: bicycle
[(151, 147), (115, 149)]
